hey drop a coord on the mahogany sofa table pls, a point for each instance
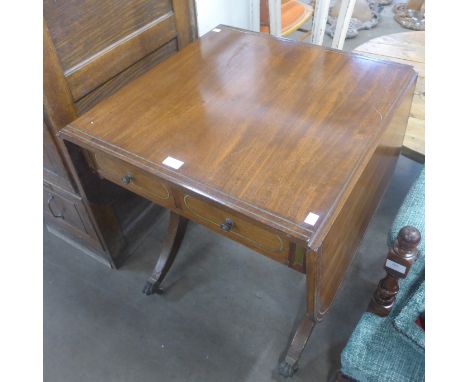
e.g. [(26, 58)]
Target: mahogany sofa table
[(281, 146)]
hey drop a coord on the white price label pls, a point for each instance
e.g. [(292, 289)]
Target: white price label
[(311, 218), (395, 266), (172, 162)]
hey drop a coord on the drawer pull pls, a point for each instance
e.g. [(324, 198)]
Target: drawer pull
[(227, 225), (51, 197), (127, 179)]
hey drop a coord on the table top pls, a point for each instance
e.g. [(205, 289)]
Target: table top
[(407, 48), (273, 128)]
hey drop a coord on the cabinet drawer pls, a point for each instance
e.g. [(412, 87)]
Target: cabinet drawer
[(134, 179), (236, 227)]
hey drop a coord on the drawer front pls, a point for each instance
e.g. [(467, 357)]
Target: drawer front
[(134, 179), (236, 227)]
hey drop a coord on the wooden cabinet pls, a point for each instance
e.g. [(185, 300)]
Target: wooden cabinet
[(68, 209), (54, 170), (66, 216), (91, 50)]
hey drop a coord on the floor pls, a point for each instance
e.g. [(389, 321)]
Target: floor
[(387, 25), (226, 314)]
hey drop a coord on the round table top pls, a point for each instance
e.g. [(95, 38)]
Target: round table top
[(407, 48)]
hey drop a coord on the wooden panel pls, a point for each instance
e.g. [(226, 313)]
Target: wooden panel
[(114, 84), (139, 182), (102, 66), (297, 257), (58, 101), (82, 28), (184, 11), (254, 119), (67, 210), (54, 169), (343, 238)]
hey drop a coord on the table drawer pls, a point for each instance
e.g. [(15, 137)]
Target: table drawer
[(238, 228), (134, 179)]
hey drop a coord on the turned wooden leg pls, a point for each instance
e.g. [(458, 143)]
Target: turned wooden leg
[(400, 258), (289, 365), (175, 234)]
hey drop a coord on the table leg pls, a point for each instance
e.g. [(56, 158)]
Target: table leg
[(175, 234), (289, 365)]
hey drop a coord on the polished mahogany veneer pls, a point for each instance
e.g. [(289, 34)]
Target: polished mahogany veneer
[(279, 127), (286, 148)]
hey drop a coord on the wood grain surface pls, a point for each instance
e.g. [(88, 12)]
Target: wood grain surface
[(81, 29), (342, 240), (273, 128)]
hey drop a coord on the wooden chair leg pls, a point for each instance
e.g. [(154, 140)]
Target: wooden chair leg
[(175, 234), (400, 258), (342, 24), (274, 10), (319, 24)]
